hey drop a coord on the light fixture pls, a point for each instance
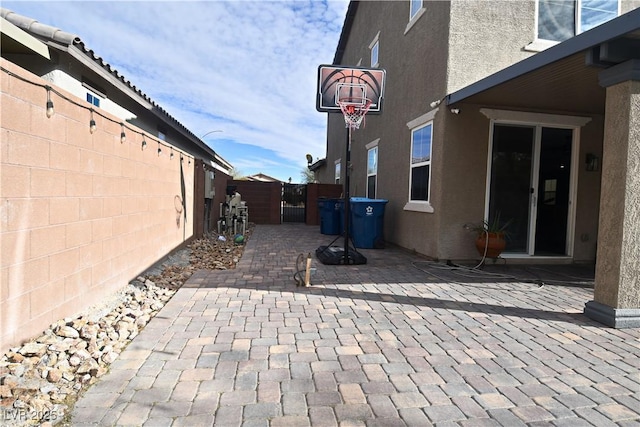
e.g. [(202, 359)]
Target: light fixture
[(455, 110), (309, 159), (49, 102), (144, 142), (159, 150), (434, 104), (592, 162), (171, 155), (123, 136), (92, 123)]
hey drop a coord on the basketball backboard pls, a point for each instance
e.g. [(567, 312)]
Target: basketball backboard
[(354, 83)]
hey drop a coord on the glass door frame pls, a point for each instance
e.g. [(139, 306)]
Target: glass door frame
[(538, 121)]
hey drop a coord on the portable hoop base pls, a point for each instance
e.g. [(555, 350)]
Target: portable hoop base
[(335, 255)]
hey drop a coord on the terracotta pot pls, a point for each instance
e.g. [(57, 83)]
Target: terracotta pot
[(495, 244)]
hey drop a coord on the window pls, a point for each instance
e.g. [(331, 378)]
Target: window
[(94, 92), (415, 7), (337, 173), (375, 50), (559, 20), (374, 54), (372, 172), (420, 163), (93, 99), (162, 135)]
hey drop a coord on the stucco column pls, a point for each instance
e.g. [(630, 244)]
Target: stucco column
[(617, 288)]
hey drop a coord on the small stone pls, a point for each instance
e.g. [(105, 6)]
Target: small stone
[(54, 375), (109, 357), (67, 332), (89, 331), (60, 346), (5, 391), (33, 349), (89, 366), (15, 357)]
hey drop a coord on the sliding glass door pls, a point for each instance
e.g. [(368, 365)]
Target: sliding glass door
[(530, 187)]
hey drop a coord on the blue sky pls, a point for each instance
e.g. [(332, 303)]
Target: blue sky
[(246, 68)]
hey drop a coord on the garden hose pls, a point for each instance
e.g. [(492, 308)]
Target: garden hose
[(303, 270)]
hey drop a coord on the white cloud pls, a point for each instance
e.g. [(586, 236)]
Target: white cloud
[(246, 67)]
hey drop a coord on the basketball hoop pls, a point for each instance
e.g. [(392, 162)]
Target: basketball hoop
[(354, 110)]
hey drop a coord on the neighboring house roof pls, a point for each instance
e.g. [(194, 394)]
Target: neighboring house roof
[(71, 43), (317, 164), (262, 178), (563, 68)]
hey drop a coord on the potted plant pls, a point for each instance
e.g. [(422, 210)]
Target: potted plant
[(491, 236)]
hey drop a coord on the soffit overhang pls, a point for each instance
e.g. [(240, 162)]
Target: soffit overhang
[(563, 78)]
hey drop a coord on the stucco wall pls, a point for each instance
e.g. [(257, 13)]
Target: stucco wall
[(414, 61), (487, 36), (81, 214)]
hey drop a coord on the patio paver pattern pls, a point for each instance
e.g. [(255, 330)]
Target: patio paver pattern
[(395, 342)]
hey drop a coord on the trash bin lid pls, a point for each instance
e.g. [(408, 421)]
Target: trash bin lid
[(367, 200)]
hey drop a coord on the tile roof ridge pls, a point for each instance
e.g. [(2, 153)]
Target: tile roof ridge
[(56, 35), (36, 28)]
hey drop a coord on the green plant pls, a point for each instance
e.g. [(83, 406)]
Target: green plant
[(494, 225)]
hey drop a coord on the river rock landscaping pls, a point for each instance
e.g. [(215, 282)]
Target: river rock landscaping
[(41, 380)]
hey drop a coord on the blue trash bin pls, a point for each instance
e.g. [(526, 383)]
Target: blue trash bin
[(367, 220), (330, 216)]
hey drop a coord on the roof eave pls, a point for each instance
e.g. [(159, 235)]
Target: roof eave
[(346, 29), (582, 42)]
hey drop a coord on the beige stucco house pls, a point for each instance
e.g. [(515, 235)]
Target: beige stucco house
[(527, 109)]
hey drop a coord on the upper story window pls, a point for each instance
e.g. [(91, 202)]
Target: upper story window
[(375, 50), (415, 7), (93, 99), (559, 20), (94, 92), (374, 54)]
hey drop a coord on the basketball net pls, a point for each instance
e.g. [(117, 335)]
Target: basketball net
[(354, 110)]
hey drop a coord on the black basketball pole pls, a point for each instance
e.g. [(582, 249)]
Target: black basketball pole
[(347, 203)]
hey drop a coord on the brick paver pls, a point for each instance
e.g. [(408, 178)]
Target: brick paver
[(396, 342)]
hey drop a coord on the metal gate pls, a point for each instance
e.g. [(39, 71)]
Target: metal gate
[(294, 202)]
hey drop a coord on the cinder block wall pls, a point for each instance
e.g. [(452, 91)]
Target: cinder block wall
[(81, 214)]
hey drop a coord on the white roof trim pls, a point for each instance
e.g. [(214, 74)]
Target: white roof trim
[(24, 38), (538, 118)]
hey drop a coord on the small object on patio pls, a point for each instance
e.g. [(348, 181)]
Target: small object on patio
[(239, 239), (303, 265), (222, 238)]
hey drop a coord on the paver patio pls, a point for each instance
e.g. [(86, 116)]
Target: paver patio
[(396, 342)]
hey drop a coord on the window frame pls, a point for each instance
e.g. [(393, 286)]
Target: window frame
[(95, 94), (421, 164), (337, 171), (412, 14), (93, 99), (543, 43), (374, 48), (416, 125), (370, 148)]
